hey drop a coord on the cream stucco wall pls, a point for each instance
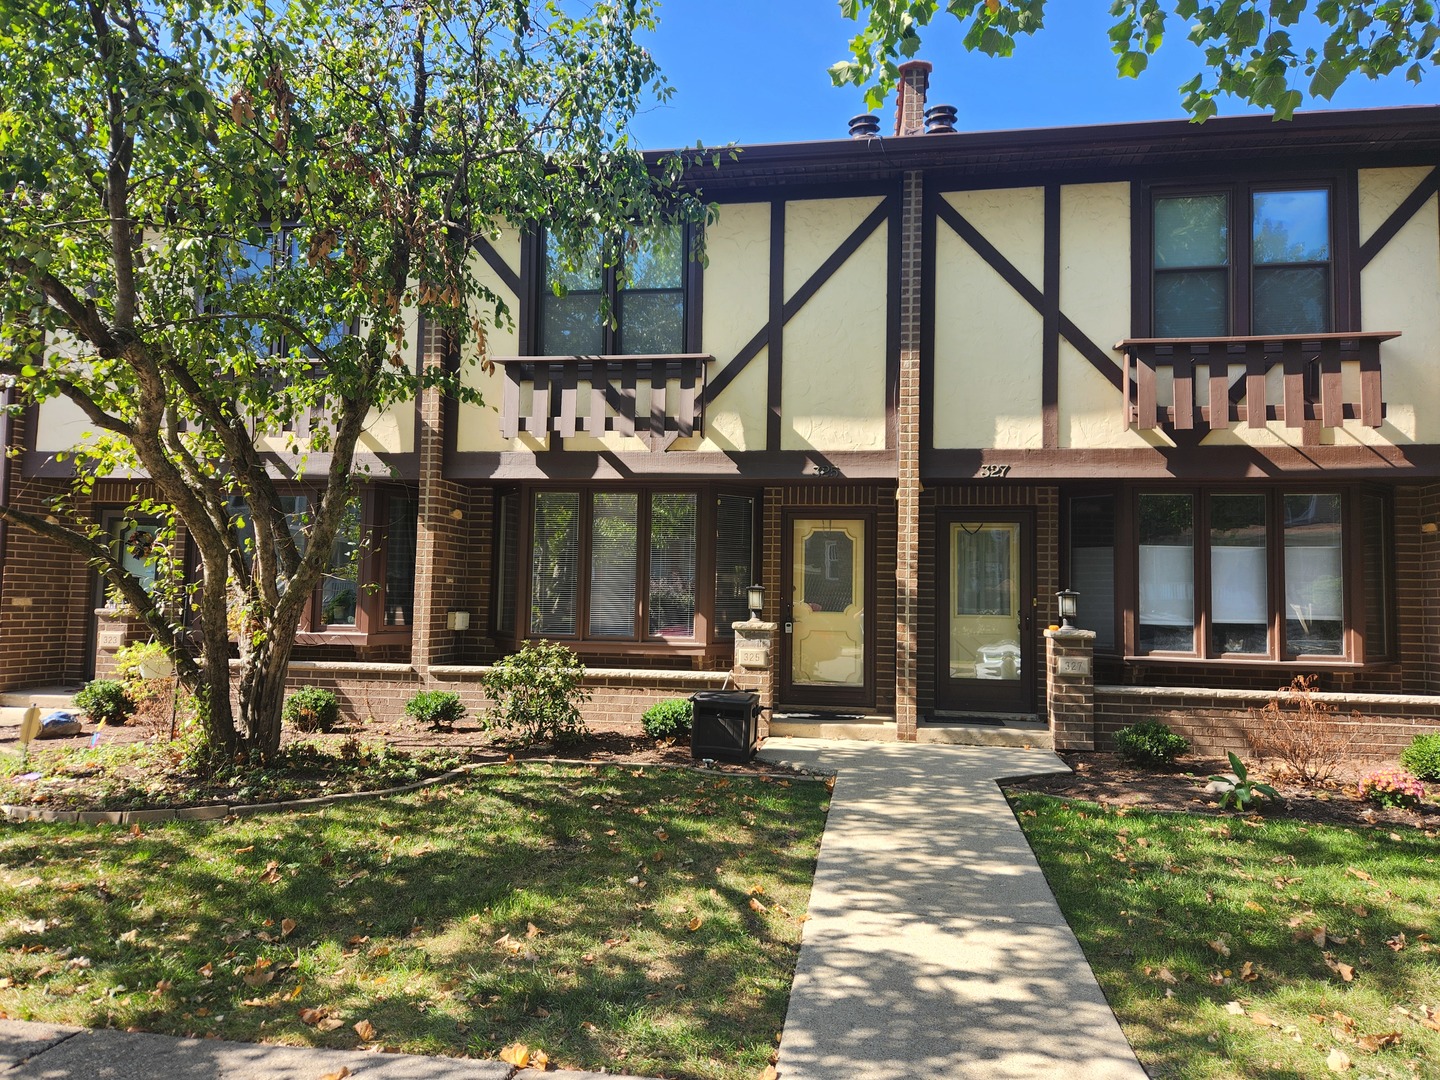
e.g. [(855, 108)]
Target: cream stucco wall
[(478, 426), (1095, 261), (987, 337), (833, 375), (737, 306)]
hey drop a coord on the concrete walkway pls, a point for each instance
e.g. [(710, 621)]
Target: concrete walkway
[(935, 947), (52, 1052)]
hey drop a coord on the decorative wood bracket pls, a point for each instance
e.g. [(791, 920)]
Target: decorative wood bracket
[(1312, 387), (657, 398)]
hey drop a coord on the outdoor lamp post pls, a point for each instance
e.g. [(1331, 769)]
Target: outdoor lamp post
[(755, 598), (1069, 607)]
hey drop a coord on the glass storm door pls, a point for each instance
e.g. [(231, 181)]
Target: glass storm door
[(986, 617), (828, 661)]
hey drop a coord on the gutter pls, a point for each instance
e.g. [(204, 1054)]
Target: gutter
[(7, 398)]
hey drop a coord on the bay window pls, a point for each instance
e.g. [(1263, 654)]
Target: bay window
[(1262, 574), (607, 566)]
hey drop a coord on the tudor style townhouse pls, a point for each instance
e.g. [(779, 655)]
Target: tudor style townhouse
[(926, 380)]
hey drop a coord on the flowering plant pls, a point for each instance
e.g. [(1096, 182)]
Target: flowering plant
[(1391, 787)]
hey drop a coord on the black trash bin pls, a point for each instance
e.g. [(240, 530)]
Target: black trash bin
[(726, 726)]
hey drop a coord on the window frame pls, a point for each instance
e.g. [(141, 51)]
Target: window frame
[(707, 636), (533, 274), (1240, 189), (1356, 651)]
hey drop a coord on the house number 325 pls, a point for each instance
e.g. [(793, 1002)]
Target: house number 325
[(994, 470)]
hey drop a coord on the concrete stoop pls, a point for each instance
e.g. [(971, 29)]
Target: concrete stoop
[(13, 703), (955, 731)]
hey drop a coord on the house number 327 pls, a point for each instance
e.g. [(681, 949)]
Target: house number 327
[(994, 470)]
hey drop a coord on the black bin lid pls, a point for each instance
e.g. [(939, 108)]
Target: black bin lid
[(724, 697)]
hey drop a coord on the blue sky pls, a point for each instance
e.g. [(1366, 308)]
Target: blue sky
[(754, 71)]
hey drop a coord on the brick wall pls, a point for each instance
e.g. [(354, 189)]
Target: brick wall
[(45, 600), (1215, 721), (908, 652)]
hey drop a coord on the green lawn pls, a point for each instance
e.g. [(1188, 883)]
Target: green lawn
[(644, 920), (1250, 948)]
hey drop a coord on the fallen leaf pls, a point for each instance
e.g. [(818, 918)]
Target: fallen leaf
[(208, 971), (1251, 905), (1220, 947), (532, 931), (1165, 975), (244, 850), (1248, 972), (1396, 943), (287, 927), (310, 1017), (254, 1003), (258, 978), (769, 1073), (1234, 1008), (129, 936), (694, 924), (1345, 971), (340, 1074), (756, 905), (1319, 938), (365, 1030), (1361, 874), (539, 1060), (330, 1023), (1264, 1019), (517, 1054), (1378, 1042), (1338, 1061)]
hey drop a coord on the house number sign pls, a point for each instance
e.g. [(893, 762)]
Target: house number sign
[(1072, 665), (993, 471)]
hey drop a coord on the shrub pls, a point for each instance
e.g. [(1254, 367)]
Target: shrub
[(1422, 756), (537, 693), (143, 660), (438, 708), (105, 701), (1150, 743), (1237, 790), (1299, 730), (311, 708), (1391, 787), (668, 719)]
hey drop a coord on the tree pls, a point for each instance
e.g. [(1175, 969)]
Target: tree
[(215, 219), (1251, 47)]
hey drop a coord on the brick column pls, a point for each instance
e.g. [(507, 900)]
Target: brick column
[(1070, 688), (755, 660), (907, 493), (441, 537)]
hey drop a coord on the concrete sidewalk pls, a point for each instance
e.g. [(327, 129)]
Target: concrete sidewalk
[(50, 1052), (935, 947)]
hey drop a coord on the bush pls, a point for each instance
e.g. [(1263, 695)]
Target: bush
[(1300, 730), (1391, 787), (143, 660), (537, 693), (1422, 756), (668, 719), (105, 701), (1150, 743), (311, 708), (438, 708)]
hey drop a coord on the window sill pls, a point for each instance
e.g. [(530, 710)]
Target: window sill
[(666, 648), (398, 636), (1309, 663)]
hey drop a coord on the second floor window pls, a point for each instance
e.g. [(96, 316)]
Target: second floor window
[(1241, 260), (630, 301)]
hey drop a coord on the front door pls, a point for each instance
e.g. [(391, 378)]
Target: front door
[(986, 619), (828, 659)]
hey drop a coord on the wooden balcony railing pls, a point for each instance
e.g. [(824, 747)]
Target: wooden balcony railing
[(1235, 371), (657, 398)]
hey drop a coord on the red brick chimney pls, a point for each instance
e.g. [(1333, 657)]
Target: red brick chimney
[(910, 97)]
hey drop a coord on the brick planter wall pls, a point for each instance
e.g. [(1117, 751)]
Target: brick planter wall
[(1217, 720)]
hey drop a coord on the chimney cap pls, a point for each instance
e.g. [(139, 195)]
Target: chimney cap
[(916, 66)]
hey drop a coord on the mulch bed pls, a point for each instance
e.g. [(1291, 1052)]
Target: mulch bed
[(1105, 779)]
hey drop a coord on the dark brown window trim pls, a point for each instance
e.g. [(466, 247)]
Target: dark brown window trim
[(1345, 277), (1352, 555), (705, 641), (531, 293)]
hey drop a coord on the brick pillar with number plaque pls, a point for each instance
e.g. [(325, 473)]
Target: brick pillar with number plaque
[(1070, 687), (754, 669)]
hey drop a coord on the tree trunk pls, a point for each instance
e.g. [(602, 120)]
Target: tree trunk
[(262, 692)]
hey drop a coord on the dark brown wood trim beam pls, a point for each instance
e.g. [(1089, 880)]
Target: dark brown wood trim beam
[(502, 269), (1399, 218), (894, 264), (283, 467), (774, 379), (1050, 315), (791, 307), (1405, 464), (1007, 270), (573, 465)]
